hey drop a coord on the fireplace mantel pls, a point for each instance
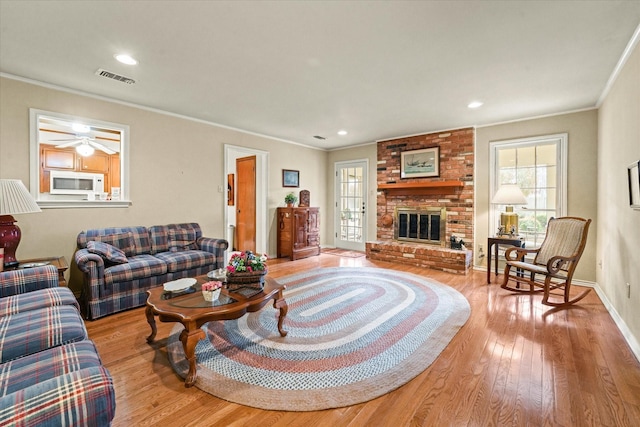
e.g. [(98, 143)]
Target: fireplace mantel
[(427, 187)]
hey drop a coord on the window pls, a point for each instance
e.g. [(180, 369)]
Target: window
[(78, 162), (538, 166)]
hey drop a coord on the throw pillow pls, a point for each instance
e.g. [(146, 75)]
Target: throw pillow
[(122, 241), (182, 240), (107, 252)]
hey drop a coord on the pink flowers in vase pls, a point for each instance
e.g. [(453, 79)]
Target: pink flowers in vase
[(211, 286)]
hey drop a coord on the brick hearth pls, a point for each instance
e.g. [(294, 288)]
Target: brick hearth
[(421, 255)]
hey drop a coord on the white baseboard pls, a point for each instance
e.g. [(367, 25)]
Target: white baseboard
[(620, 323)]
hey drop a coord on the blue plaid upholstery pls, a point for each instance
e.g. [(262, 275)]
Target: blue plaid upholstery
[(138, 267), (160, 235), (80, 398), (48, 297), (36, 330), (26, 280), (182, 240), (50, 363), (112, 288), (50, 374), (140, 236), (186, 260), (107, 252)]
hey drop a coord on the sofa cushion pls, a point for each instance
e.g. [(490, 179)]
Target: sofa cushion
[(42, 298), (50, 363), (107, 252), (186, 260), (32, 331), (140, 235), (138, 267), (25, 280), (182, 240), (85, 397), (159, 235), (121, 241)]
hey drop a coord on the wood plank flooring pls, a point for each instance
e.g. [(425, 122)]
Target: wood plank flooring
[(514, 363)]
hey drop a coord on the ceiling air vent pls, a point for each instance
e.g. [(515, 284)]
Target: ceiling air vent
[(114, 76), (322, 138)]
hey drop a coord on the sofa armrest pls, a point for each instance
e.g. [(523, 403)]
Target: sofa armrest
[(214, 246), (92, 267), (27, 280), (80, 398)]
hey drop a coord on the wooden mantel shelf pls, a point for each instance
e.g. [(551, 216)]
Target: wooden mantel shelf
[(427, 187)]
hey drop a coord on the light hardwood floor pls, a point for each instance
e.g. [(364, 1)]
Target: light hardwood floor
[(514, 363)]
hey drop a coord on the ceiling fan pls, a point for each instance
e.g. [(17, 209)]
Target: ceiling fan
[(85, 145)]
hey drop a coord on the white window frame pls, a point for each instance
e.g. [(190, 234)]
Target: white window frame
[(562, 141), (34, 162)]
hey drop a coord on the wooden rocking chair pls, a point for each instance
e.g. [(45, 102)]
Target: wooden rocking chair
[(554, 263)]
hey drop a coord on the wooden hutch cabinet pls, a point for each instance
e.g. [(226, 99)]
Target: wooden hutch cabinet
[(298, 232)]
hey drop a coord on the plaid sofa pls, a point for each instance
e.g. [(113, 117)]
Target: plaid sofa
[(143, 258), (50, 372)]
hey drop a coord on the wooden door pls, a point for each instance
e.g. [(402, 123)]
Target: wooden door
[(246, 204)]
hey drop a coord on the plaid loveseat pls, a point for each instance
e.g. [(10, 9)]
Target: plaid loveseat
[(50, 372), (121, 263)]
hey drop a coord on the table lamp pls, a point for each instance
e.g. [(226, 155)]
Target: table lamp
[(509, 195), (14, 199)]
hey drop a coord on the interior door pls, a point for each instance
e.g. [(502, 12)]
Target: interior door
[(245, 239), (351, 192)]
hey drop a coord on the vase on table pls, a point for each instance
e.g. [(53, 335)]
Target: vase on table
[(211, 295)]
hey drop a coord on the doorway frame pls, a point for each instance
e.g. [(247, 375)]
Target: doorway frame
[(231, 153), (336, 210)]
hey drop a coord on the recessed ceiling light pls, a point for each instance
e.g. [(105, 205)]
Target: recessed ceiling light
[(475, 104), (126, 59), (342, 132)]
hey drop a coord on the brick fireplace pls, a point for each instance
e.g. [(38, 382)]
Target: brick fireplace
[(401, 202)]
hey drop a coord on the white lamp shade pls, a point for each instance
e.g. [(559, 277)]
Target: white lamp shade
[(15, 198), (509, 194)]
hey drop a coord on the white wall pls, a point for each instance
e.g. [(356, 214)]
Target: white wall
[(618, 228)]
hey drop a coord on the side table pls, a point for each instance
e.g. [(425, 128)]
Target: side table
[(59, 262), (496, 242)]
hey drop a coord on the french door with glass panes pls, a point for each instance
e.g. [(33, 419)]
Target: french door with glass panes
[(351, 198)]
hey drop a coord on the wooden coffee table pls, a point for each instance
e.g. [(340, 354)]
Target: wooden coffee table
[(193, 311)]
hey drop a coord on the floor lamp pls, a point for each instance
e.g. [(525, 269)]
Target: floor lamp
[(510, 195), (14, 199)]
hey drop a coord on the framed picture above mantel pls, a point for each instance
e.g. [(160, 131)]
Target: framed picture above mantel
[(420, 163)]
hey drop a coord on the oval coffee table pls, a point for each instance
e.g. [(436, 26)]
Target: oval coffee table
[(193, 311)]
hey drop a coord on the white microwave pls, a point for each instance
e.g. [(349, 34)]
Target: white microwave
[(64, 182)]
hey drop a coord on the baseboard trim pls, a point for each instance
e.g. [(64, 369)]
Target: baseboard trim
[(620, 323)]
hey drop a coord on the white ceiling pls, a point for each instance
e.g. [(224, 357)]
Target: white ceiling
[(291, 70)]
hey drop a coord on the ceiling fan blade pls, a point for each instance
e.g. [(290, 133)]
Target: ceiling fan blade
[(69, 144), (100, 147)]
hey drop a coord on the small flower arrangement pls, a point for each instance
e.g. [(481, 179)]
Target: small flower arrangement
[(211, 286), (247, 262)]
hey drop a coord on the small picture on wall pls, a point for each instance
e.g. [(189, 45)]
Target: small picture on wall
[(290, 178), (420, 163), (633, 175)]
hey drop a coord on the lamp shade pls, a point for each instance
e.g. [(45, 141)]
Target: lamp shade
[(15, 198), (509, 194)]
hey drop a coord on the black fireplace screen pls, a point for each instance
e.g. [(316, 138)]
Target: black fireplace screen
[(422, 226)]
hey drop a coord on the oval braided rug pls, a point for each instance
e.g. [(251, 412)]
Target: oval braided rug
[(354, 334)]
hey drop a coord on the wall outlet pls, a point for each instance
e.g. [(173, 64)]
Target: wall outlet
[(628, 290)]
